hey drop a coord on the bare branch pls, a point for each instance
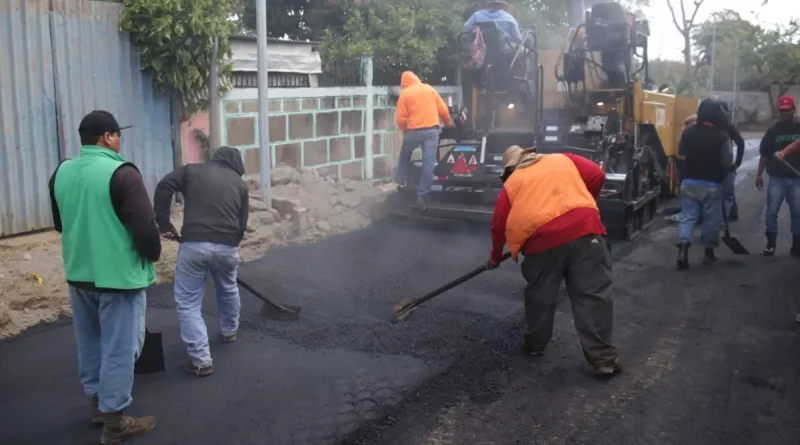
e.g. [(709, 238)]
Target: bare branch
[(675, 19), (697, 5)]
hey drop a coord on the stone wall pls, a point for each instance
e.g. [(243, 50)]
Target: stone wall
[(325, 129)]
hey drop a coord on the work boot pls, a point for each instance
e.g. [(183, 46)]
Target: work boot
[(795, 251), (528, 347), (190, 367), (97, 416), (770, 249), (230, 338), (117, 427), (610, 370), (709, 257), (683, 256)]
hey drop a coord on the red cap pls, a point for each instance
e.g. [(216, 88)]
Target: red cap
[(785, 103)]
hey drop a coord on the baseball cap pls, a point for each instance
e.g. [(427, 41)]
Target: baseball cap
[(785, 103), (98, 123)]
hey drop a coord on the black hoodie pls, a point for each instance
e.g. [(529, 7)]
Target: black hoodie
[(216, 199), (706, 146)]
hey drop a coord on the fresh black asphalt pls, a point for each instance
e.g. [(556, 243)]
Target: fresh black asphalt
[(711, 354)]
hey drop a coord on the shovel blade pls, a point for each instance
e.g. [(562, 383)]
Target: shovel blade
[(151, 360), (735, 245)]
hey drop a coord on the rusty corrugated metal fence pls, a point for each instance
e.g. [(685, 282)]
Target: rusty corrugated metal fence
[(60, 59)]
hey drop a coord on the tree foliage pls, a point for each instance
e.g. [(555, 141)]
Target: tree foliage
[(765, 56), (398, 34), (175, 39)]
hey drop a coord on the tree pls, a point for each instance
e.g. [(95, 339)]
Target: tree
[(736, 40), (175, 39), (766, 57), (397, 34), (685, 27)]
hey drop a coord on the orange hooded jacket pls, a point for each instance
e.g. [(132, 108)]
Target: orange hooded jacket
[(419, 105)]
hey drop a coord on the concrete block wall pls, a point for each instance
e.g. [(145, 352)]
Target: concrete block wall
[(319, 128)]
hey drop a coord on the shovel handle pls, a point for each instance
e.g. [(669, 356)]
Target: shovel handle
[(789, 166), (446, 287)]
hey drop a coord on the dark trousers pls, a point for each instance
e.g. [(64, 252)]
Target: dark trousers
[(585, 265)]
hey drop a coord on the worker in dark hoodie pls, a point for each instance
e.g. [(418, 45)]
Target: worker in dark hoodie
[(216, 205), (729, 184), (706, 149)]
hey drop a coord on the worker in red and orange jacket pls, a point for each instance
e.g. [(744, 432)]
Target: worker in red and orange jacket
[(547, 210)]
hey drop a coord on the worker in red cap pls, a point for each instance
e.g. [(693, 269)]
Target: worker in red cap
[(784, 184), (547, 211)]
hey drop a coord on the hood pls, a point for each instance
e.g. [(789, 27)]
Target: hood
[(408, 78), (517, 157), (229, 157), (711, 112), (496, 14)]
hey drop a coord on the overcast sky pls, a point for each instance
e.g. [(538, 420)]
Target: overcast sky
[(666, 41)]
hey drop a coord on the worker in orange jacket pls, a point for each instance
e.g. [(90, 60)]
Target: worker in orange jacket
[(547, 210), (419, 109)]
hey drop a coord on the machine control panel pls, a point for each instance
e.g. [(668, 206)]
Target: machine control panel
[(596, 122)]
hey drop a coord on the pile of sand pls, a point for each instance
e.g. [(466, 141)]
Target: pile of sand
[(305, 208)]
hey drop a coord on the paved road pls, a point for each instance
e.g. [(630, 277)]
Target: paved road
[(710, 354)]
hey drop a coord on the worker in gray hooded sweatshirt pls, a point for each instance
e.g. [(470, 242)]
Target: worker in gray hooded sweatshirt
[(216, 205)]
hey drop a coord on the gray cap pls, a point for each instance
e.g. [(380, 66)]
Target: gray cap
[(496, 3)]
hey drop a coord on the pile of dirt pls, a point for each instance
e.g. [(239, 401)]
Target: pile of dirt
[(305, 207)]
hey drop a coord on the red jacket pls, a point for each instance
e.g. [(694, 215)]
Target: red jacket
[(562, 230)]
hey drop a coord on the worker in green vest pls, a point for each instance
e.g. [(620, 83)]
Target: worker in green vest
[(109, 241)]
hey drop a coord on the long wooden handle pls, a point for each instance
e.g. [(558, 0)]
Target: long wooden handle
[(789, 166), (446, 287)]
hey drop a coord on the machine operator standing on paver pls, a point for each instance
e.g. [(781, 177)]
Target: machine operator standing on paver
[(547, 211), (109, 240), (419, 109)]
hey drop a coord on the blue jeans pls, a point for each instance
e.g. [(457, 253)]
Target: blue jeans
[(195, 262), (697, 200), (109, 329), (729, 192), (778, 190), (429, 140)]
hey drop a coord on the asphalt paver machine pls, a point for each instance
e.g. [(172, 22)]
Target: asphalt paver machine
[(598, 104), (502, 107)]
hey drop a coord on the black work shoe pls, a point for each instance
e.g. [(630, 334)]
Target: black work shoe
[(532, 352), (795, 251), (770, 249), (683, 256), (709, 257), (609, 370)]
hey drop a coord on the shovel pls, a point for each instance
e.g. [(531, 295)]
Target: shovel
[(151, 359), (402, 310), (270, 309), (733, 243)]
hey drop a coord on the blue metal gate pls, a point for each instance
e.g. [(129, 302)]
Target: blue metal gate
[(61, 60)]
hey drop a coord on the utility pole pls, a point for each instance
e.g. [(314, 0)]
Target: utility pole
[(264, 150), (735, 82), (214, 137), (713, 58)]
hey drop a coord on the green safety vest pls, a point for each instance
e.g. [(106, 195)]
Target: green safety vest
[(96, 246)]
